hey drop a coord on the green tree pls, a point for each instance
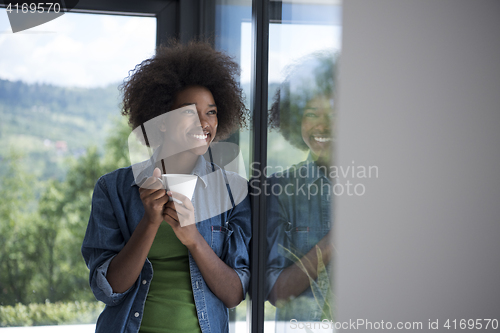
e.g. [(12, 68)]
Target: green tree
[(40, 240), (18, 253), (116, 146), (64, 209), (51, 223)]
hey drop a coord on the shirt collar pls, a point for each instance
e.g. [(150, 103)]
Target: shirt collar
[(314, 172), (202, 168)]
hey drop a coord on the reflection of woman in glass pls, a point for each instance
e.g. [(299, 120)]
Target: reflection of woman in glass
[(200, 269), (299, 218)]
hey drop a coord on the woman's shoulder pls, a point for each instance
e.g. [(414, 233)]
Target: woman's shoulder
[(230, 176), (234, 177), (117, 178), (291, 172), (237, 185)]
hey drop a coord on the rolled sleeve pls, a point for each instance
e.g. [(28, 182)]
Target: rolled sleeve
[(103, 284), (276, 261), (237, 255), (277, 221), (244, 275), (103, 240)]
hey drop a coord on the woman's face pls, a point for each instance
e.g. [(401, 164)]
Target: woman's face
[(316, 127), (195, 125)]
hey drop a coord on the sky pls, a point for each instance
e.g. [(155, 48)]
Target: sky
[(79, 50), (287, 44), (83, 50)]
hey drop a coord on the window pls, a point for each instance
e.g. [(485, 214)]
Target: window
[(304, 42), (60, 131), (59, 85)]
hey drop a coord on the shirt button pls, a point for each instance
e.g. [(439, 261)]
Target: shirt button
[(136, 314), (144, 281)]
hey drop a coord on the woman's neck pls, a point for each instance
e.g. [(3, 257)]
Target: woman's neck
[(181, 163), (323, 161)]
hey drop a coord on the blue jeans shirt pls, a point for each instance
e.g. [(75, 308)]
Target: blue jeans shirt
[(299, 216), (116, 211)]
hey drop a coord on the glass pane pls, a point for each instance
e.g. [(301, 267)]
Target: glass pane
[(233, 37), (304, 42), (60, 130)]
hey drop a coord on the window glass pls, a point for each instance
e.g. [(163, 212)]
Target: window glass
[(234, 37), (60, 130), (304, 42)]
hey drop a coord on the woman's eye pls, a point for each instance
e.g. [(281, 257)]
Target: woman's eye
[(212, 112), (310, 115)]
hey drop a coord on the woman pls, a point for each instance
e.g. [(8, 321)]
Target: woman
[(201, 268), (299, 219)]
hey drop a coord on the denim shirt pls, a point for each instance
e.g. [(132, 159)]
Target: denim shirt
[(116, 211), (299, 216)]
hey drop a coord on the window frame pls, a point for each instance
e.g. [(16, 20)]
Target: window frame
[(188, 19)]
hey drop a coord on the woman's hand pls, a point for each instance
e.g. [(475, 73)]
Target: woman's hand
[(125, 267), (153, 198), (293, 281), (220, 278), (179, 213)]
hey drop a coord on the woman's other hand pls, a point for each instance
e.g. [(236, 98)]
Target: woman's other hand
[(179, 213), (153, 198), (222, 280)]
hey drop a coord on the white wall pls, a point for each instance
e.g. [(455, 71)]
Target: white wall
[(419, 97)]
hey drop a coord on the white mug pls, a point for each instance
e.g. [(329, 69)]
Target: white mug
[(180, 183)]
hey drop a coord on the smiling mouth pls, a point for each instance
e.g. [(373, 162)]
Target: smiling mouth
[(200, 136), (322, 139)]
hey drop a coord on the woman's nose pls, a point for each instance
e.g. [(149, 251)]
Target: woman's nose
[(323, 123), (204, 122)]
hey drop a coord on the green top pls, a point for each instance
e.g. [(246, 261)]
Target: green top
[(170, 305)]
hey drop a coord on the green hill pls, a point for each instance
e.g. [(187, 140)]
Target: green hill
[(47, 124)]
